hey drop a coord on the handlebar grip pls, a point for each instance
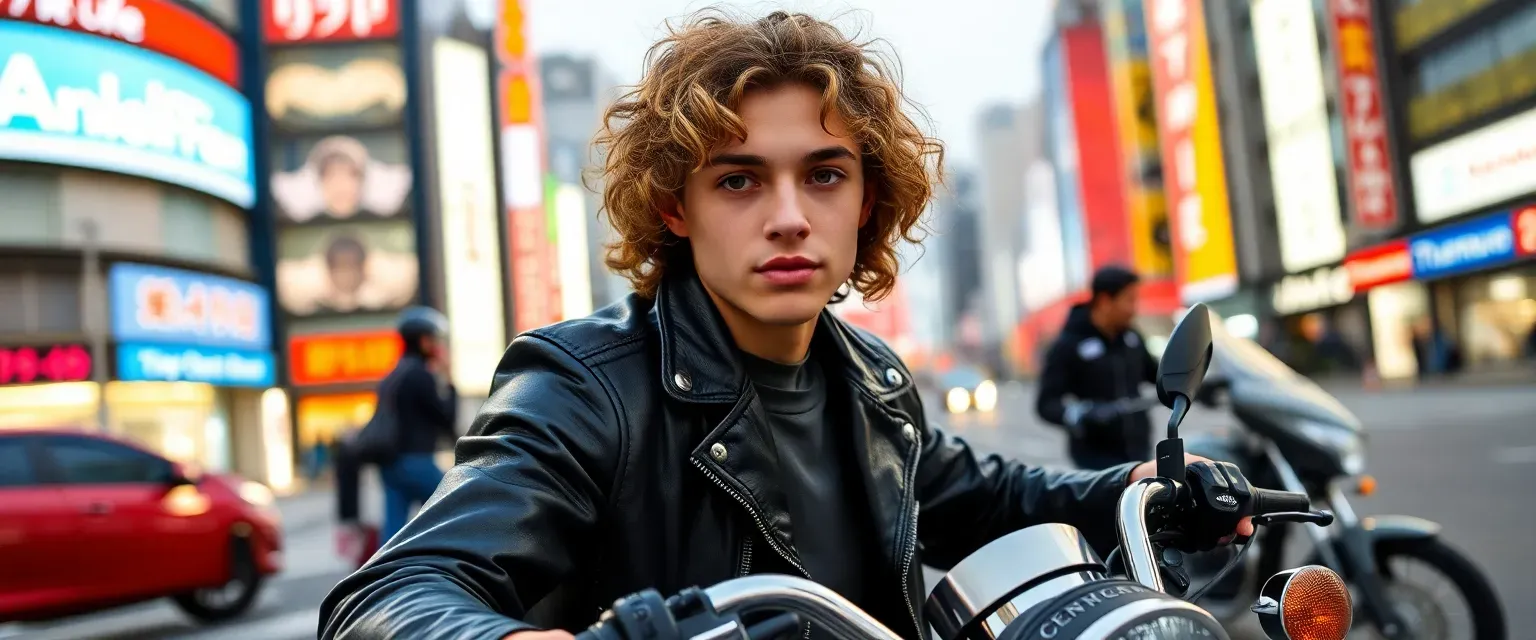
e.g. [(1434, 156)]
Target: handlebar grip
[(1267, 501)]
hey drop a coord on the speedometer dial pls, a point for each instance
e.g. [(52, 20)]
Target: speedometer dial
[(1167, 627)]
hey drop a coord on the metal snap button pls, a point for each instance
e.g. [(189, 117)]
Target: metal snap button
[(909, 432), (892, 376), (717, 451), (682, 381)]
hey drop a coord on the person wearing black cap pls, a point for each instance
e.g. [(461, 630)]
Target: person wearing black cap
[(1091, 383), (418, 406)]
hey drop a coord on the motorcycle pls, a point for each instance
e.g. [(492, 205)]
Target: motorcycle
[(1297, 437), (1045, 582)]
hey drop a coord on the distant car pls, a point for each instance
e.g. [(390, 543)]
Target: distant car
[(967, 389), (89, 522)]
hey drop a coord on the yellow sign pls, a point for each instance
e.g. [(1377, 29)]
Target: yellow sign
[(1194, 173), (1136, 119)]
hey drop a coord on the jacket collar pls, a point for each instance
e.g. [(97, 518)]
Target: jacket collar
[(698, 357)]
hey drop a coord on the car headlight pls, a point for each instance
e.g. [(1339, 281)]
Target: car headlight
[(257, 494), (1348, 445), (958, 400), (985, 396)]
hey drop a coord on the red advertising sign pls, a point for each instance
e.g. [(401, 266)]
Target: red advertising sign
[(48, 363), (1372, 191), (534, 268), (157, 25), (1525, 230), (1194, 171), (330, 20), (1379, 265), (1101, 189), (343, 357)]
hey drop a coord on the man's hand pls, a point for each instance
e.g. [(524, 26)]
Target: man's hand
[(535, 634), (1149, 470)]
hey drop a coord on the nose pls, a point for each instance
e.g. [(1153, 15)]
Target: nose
[(788, 219)]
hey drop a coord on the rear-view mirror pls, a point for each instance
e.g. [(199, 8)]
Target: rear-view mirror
[(1185, 358)]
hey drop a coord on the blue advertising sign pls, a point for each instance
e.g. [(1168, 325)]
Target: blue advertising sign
[(173, 306), (222, 367), (1465, 247), (79, 100)]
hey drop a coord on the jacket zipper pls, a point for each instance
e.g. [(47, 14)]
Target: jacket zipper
[(909, 541), (746, 558), (762, 528)]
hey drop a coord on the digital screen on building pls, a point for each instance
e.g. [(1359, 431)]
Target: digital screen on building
[(158, 25), (31, 364), (164, 305), (343, 357), (79, 100), (211, 365)]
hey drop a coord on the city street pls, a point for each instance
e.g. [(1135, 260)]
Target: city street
[(1461, 457)]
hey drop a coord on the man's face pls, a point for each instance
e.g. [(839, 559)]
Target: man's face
[(341, 185), (347, 272), (773, 220), (1121, 308)]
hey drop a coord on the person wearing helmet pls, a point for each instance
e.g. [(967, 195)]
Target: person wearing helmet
[(424, 408)]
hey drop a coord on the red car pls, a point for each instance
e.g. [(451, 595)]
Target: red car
[(89, 522)]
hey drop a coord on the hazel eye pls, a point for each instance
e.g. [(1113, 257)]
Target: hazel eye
[(826, 177), (736, 182)]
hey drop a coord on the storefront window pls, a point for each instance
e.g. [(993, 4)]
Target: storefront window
[(1394, 311), (65, 405), (171, 418), (1496, 316)]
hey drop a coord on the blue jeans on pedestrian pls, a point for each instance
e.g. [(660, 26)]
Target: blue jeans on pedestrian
[(408, 482)]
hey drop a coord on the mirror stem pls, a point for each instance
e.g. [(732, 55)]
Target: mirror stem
[(1180, 409), (1170, 452)]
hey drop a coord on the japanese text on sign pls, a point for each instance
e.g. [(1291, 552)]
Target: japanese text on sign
[(163, 305), (1372, 193), (1193, 169), (309, 20), (327, 359)]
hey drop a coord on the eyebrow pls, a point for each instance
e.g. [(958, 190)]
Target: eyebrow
[(748, 160)]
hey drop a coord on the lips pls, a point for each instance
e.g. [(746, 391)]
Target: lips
[(789, 271)]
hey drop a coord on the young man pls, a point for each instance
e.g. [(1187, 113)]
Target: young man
[(719, 421), (1093, 376)]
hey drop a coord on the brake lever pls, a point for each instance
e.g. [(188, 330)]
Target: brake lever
[(1319, 518)]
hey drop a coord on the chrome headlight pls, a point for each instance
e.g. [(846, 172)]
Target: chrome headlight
[(957, 400), (1347, 445), (985, 396)]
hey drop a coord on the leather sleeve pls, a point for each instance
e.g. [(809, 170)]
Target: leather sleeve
[(507, 522), (968, 500)]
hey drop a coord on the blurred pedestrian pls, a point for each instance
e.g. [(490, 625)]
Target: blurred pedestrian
[(1333, 354), (1436, 353), (1091, 383)]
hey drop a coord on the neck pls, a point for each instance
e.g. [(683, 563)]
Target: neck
[(785, 344), (1103, 325)]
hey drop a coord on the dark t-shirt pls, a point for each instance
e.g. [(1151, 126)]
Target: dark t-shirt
[(829, 512)]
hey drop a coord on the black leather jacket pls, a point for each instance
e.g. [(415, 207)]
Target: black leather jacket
[(626, 450)]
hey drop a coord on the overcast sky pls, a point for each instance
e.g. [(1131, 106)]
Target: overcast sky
[(957, 56)]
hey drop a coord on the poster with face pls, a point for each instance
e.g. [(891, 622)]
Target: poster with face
[(341, 177), (347, 267), (330, 88)]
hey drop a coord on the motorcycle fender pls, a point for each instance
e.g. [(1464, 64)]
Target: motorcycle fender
[(1386, 528)]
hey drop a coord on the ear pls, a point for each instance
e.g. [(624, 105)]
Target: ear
[(672, 214), (868, 207)]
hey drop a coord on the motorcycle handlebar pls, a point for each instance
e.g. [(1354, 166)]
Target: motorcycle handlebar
[(729, 599), (1267, 501)]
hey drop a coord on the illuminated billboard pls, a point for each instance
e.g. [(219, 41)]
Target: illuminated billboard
[(1194, 174), (158, 25), (466, 171), (78, 100)]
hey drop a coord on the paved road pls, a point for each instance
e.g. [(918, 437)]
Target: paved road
[(1463, 458)]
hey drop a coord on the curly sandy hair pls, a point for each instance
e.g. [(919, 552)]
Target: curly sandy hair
[(661, 131)]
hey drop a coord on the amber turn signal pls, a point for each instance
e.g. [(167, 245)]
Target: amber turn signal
[(1367, 485), (1307, 603)]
